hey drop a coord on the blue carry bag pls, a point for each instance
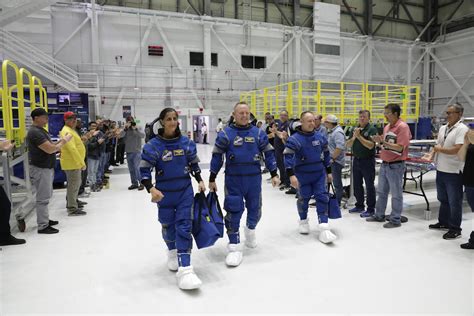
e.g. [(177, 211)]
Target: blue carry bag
[(334, 210), (216, 212), (204, 229)]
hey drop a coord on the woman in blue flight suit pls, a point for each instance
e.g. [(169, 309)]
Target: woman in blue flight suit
[(243, 146), (307, 162), (174, 158)]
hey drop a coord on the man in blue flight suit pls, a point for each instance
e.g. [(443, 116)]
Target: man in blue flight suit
[(243, 146), (307, 163)]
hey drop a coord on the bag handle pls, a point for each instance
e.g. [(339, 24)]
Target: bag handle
[(219, 209), (201, 200), (331, 186)]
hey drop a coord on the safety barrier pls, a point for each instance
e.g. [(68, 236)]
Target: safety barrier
[(343, 99), (15, 108)]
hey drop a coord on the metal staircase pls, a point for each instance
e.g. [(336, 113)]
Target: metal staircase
[(14, 10), (37, 61)]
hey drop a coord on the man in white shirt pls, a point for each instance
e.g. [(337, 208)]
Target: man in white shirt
[(448, 172), (220, 126)]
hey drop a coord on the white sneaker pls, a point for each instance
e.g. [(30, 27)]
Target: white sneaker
[(187, 279), (325, 235), (235, 256), (173, 260), (250, 238), (304, 226)]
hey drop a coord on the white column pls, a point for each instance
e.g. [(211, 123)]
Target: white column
[(368, 60)]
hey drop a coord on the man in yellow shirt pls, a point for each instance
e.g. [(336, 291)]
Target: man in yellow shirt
[(72, 162)]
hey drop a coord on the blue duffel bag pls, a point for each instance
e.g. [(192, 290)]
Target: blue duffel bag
[(216, 212), (204, 229), (334, 210)]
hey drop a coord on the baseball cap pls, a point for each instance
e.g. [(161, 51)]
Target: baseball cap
[(68, 115), (38, 112), (331, 119)]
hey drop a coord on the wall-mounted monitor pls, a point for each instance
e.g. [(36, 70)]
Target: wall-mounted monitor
[(64, 99)]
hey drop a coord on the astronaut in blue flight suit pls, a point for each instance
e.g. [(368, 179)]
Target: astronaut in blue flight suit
[(174, 158), (243, 145), (307, 162)]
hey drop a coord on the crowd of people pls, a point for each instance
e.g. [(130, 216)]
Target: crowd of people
[(85, 156), (304, 158)]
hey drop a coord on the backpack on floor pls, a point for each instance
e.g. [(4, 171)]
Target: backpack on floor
[(216, 212), (204, 229)]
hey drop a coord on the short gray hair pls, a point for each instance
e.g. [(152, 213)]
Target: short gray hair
[(457, 107)]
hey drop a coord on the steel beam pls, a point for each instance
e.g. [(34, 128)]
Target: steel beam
[(207, 7), (194, 7), (348, 8), (384, 66), (460, 88), (142, 44), (356, 57), (453, 80), (63, 44), (385, 17), (236, 9), (282, 50), (310, 15), (402, 2), (231, 54), (283, 15), (296, 13), (368, 16), (265, 10)]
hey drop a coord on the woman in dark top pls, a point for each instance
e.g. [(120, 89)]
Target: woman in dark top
[(270, 132), (466, 153)]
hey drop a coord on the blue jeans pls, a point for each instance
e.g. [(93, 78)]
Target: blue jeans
[(336, 170), (101, 168), (470, 196), (363, 170), (133, 162), (450, 195), (92, 168), (390, 181)]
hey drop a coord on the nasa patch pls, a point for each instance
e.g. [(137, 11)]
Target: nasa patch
[(238, 141), (167, 155), (315, 143)]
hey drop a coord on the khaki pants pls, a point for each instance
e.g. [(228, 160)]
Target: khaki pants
[(73, 184), (42, 181)]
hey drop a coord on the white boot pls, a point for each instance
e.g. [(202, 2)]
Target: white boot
[(325, 235), (234, 257), (173, 260), (304, 226), (250, 238), (187, 279)]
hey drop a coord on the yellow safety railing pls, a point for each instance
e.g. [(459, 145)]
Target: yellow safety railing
[(13, 107), (343, 99)]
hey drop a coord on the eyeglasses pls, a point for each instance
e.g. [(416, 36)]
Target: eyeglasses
[(387, 113), (451, 112)]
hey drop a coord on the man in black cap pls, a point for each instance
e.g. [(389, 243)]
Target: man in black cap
[(6, 237), (42, 158)]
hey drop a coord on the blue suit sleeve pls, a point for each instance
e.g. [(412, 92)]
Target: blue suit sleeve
[(149, 160), (220, 148), (291, 147), (193, 160), (268, 153), (326, 154)]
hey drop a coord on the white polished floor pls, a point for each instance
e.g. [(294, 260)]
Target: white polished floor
[(113, 261)]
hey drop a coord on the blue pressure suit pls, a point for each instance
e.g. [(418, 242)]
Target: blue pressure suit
[(243, 148), (174, 160), (307, 157)]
